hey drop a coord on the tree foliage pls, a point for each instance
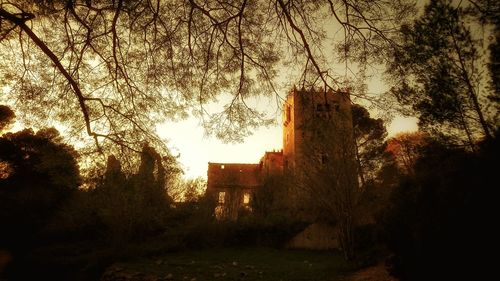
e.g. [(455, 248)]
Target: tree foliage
[(121, 208), (6, 117), (271, 200), (326, 186), (405, 148), (369, 135), (435, 218), (439, 74), (114, 69), (488, 13), (42, 173), (194, 189)]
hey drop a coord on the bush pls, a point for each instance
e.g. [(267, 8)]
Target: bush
[(436, 224), (246, 232)]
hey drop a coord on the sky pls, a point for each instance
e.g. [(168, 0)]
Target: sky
[(188, 140)]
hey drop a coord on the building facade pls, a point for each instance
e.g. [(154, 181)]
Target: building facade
[(317, 139), (318, 148)]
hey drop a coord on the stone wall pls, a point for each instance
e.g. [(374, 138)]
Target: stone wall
[(317, 236)]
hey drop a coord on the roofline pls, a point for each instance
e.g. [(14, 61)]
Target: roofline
[(217, 163), (225, 186)]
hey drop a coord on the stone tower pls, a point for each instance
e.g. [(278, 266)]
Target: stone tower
[(318, 139), (317, 145)]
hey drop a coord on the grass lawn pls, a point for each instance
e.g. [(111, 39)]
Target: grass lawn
[(237, 264)]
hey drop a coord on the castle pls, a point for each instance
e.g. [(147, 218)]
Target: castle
[(317, 141)]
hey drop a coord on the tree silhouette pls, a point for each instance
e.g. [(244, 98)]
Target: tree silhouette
[(448, 199), (369, 135), (488, 12), (6, 117), (119, 208), (271, 200), (194, 189), (43, 174), (115, 69), (327, 189), (439, 75), (405, 149)]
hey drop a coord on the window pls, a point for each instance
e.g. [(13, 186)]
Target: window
[(5, 170), (288, 113), (220, 212), (222, 197), (323, 110), (324, 158), (246, 198)]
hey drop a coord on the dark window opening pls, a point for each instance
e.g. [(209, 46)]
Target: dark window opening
[(323, 110), (288, 114), (324, 158)]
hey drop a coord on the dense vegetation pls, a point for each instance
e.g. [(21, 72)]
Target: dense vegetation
[(114, 69)]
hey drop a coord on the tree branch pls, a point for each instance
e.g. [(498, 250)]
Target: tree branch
[(46, 50)]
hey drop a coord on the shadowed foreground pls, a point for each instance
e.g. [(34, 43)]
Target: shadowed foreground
[(235, 264)]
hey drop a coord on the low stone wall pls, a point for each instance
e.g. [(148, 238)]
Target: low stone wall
[(316, 236)]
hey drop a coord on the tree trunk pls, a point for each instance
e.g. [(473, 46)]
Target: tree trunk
[(470, 89), (360, 168)]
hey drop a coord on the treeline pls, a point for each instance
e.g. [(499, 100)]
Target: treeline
[(424, 206), (426, 199), (60, 225), (437, 218)]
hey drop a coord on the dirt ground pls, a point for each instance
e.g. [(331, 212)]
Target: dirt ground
[(374, 273)]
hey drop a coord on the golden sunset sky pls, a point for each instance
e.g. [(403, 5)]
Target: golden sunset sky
[(188, 140)]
